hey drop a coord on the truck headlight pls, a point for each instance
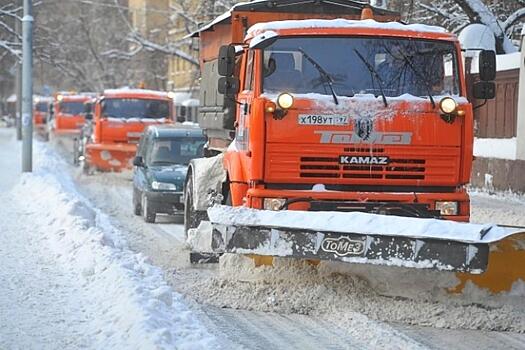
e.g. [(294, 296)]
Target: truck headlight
[(447, 208), (163, 186), (273, 203), (448, 105), (285, 100)]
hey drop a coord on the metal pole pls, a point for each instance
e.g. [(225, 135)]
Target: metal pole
[(18, 88), (27, 87)]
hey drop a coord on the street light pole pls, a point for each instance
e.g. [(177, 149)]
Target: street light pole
[(27, 87), (18, 87)]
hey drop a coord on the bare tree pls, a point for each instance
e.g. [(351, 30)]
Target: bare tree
[(503, 18)]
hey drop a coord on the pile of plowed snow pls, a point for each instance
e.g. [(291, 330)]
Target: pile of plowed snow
[(337, 292), (134, 306)]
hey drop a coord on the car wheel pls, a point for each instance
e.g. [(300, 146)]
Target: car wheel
[(147, 213), (192, 217)]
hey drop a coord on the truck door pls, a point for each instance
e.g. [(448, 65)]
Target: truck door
[(239, 172)]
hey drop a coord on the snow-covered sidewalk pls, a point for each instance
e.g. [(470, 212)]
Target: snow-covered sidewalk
[(67, 278)]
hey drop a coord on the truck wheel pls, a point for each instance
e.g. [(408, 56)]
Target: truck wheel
[(192, 217), (86, 169), (137, 209), (76, 149), (147, 213)]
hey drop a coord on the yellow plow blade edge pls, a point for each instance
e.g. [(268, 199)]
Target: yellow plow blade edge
[(506, 266)]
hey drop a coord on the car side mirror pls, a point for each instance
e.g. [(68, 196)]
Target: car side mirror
[(484, 90), (138, 161), (181, 119), (228, 86), (487, 65), (226, 64)]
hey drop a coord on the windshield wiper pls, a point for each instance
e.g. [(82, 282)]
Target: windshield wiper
[(374, 73), (419, 78), (324, 75)]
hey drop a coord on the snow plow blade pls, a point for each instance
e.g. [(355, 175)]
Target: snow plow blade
[(110, 157), (357, 238)]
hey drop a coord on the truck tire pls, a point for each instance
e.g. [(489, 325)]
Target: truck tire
[(147, 213), (192, 217), (137, 209), (76, 151)]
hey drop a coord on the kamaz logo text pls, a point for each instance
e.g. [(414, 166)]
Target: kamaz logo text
[(364, 160), (343, 246), (382, 138)]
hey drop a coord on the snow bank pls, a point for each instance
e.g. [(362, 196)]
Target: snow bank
[(495, 148), (137, 308)]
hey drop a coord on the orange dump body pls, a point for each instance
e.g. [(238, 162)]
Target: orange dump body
[(69, 117), (114, 140)]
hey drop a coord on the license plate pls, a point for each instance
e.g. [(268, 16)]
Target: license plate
[(320, 119)]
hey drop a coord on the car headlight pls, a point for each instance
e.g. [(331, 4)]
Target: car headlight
[(285, 100), (163, 186), (274, 203), (448, 105), (447, 208)]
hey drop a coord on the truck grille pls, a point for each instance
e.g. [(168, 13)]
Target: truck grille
[(327, 167)]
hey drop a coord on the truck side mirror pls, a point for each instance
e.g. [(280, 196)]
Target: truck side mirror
[(228, 86), (484, 90), (138, 161), (226, 64), (487, 65)]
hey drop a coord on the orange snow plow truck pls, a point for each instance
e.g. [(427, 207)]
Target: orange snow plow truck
[(119, 119), (41, 114), (68, 116), (337, 133)]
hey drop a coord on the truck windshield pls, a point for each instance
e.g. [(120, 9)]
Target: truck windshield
[(127, 108), (74, 108), (175, 151), (360, 65)]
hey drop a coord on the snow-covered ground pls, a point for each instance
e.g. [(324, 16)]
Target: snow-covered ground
[(67, 278)]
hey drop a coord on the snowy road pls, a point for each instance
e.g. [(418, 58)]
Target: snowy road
[(290, 306), (245, 305)]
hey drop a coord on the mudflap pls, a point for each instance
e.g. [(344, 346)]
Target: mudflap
[(204, 258), (352, 247)]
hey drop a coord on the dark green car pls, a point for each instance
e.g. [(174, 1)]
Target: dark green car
[(161, 163)]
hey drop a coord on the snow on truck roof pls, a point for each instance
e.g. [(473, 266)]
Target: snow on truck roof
[(142, 92), (341, 24)]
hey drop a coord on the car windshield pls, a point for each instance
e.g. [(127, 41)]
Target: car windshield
[(126, 108), (72, 107), (178, 150), (41, 107), (361, 65)]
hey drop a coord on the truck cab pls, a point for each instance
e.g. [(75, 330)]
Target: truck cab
[(68, 114), (120, 117), (381, 124)]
